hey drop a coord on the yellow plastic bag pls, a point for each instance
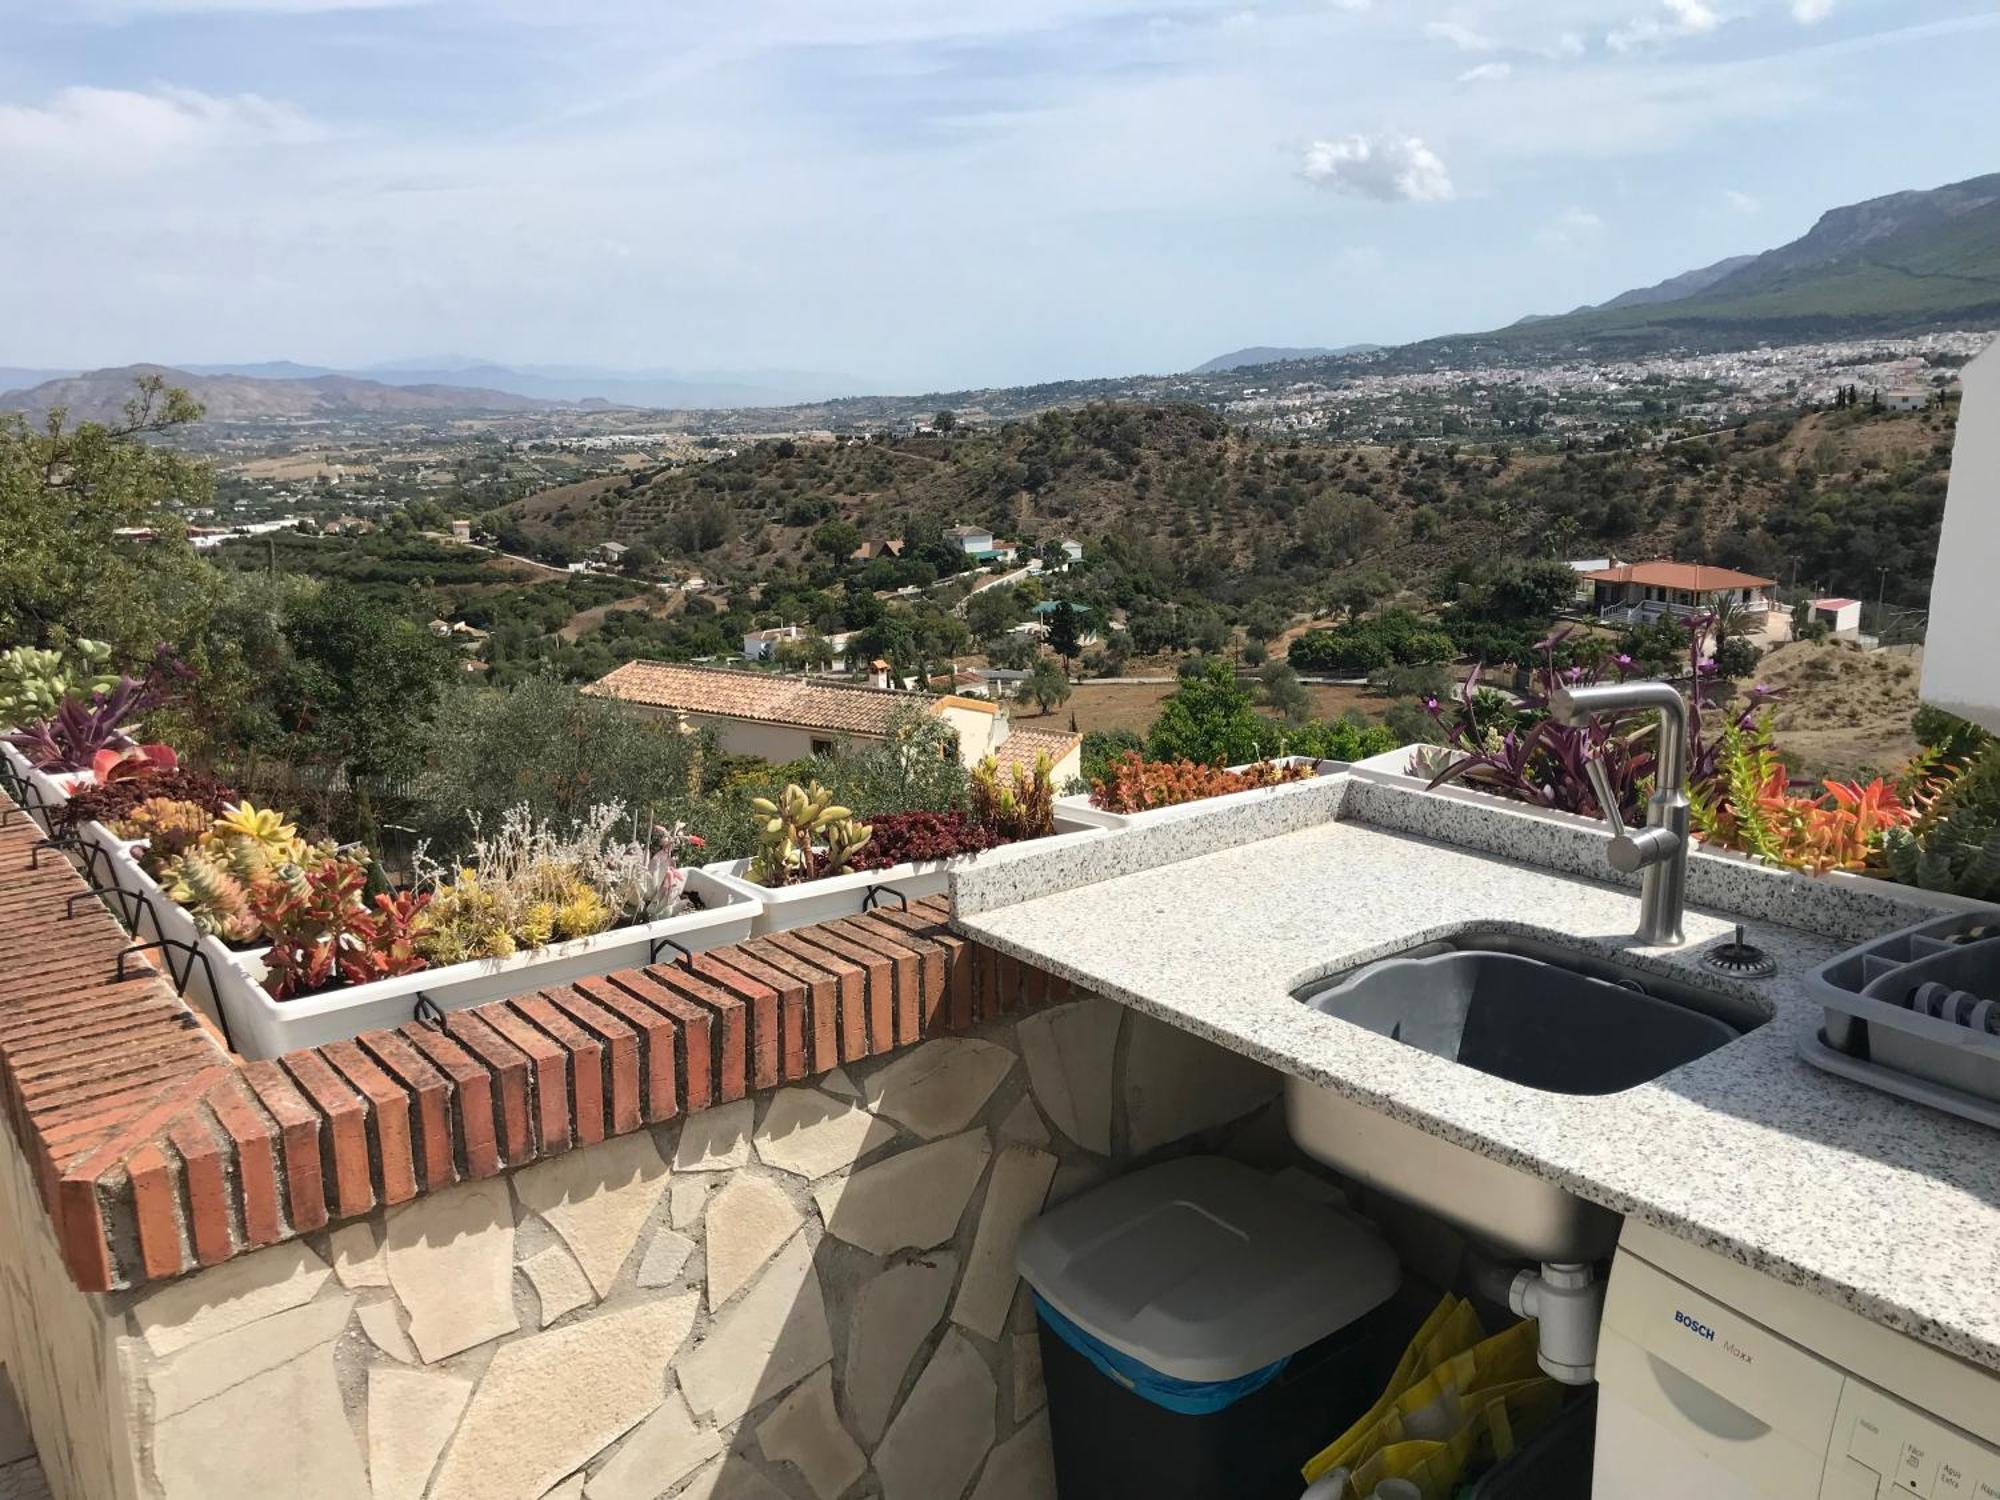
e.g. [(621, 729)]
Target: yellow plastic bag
[(1494, 1426), (1451, 1329)]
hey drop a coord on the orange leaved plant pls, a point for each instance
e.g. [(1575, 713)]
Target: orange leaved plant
[(1134, 784)]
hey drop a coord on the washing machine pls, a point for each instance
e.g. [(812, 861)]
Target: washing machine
[(1719, 1383)]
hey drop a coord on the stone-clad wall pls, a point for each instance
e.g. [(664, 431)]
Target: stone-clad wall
[(808, 1294)]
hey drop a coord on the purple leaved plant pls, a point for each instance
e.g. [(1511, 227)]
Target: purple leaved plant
[(70, 739), (1516, 751)]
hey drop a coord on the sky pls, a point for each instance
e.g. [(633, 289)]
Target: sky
[(924, 194)]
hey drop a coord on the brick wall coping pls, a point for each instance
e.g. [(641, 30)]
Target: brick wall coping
[(157, 1152)]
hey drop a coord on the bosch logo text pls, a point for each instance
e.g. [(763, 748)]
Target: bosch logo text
[(1700, 1330)]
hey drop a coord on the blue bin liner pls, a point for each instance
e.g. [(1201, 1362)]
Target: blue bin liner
[(1188, 1397)]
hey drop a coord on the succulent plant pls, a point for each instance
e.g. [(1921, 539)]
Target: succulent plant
[(214, 895), (325, 934), (168, 824), (1954, 845), (254, 840), (1020, 806), (804, 835), (33, 683)]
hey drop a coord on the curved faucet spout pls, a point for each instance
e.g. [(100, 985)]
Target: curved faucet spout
[(1660, 849)]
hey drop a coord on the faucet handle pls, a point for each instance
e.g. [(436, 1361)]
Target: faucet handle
[(1632, 849), (1607, 800)]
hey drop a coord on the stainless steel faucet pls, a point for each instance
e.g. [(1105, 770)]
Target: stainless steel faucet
[(1660, 849)]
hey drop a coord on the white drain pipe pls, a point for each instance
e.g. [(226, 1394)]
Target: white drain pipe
[(1568, 1301)]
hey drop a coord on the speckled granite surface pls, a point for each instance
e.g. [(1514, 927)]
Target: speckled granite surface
[(1886, 1207)]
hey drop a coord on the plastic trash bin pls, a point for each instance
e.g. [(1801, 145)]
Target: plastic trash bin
[(1203, 1331)]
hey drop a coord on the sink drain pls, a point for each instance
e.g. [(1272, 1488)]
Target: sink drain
[(1740, 959)]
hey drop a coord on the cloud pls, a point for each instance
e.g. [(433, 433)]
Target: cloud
[(1811, 12), (1462, 37), (1356, 5), (1569, 44), (1742, 202), (1684, 18), (125, 10), (1387, 168), (1492, 72), (1573, 230), (112, 131)]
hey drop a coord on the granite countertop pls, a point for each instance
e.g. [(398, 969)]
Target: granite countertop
[(1887, 1207)]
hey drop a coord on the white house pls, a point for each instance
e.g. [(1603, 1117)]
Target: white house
[(1960, 674), (461, 531), (1842, 616), (971, 540), (1659, 589), (760, 644), (1906, 398)]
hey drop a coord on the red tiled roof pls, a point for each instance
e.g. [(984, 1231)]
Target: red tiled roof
[(1023, 745), (1695, 577), (768, 698)]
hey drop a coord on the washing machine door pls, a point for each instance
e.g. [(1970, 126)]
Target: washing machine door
[(1698, 1400)]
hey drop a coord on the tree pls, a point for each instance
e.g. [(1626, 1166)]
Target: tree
[(1280, 688), (1336, 529), (992, 612), (837, 539), (1046, 684), (1208, 719), (66, 494), (360, 685), (1358, 593), (1065, 632), (944, 421)]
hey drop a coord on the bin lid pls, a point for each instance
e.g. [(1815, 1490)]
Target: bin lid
[(1206, 1269)]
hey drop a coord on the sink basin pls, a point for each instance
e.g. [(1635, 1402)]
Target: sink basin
[(1534, 1013)]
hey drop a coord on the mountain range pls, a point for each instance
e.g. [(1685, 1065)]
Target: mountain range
[(1904, 263), (1265, 354)]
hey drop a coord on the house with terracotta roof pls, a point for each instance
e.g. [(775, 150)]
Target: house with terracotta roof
[(782, 718), (1661, 589)]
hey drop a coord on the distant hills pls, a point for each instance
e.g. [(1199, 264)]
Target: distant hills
[(1264, 354), (1904, 263), (100, 396)]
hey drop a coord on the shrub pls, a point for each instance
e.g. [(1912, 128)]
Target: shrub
[(1135, 784), (1019, 806), (1363, 646), (901, 838), (1102, 746), (1208, 719)]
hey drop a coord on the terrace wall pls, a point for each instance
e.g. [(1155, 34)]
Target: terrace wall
[(805, 1291)]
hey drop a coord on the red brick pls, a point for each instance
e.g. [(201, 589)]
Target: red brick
[(429, 1093), (851, 990), (508, 1067), (254, 1139), (694, 1030), (911, 966), (153, 1209), (653, 1038), (731, 1022), (821, 995), (207, 1189), (344, 1143), (549, 1072), (619, 1040), (953, 987), (881, 986), (472, 1095), (766, 1043), (585, 1058), (299, 1131), (389, 1107)]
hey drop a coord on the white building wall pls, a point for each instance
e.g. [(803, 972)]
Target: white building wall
[(1960, 671)]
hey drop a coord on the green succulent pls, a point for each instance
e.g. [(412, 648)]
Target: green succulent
[(804, 835), (1955, 846)]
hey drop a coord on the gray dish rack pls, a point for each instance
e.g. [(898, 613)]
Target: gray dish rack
[(1917, 1014)]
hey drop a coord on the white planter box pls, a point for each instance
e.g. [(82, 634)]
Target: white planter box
[(53, 789), (839, 896), (260, 1026), (1079, 806)]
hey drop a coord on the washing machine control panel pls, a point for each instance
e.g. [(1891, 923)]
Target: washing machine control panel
[(1884, 1450)]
